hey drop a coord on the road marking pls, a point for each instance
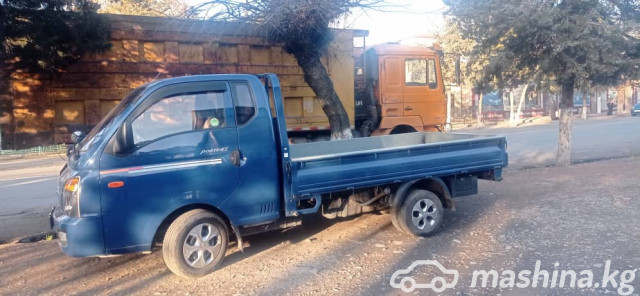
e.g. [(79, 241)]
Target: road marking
[(31, 177), (47, 161), (28, 182)]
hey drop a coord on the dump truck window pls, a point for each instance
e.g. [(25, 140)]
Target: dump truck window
[(433, 78), (415, 72)]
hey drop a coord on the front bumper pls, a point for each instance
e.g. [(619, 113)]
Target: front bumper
[(78, 237)]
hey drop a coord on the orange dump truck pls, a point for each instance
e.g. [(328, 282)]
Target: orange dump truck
[(394, 89)]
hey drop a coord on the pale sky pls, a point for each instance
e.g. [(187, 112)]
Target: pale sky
[(410, 18), (400, 20)]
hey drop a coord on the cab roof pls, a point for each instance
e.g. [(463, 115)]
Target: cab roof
[(399, 49)]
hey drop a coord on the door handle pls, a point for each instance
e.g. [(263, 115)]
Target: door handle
[(408, 109), (237, 158)]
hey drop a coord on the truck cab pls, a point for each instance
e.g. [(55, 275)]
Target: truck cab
[(399, 89), (171, 144)]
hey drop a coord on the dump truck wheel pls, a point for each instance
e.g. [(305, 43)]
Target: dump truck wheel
[(195, 243)]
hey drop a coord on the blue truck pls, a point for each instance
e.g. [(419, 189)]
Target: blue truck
[(189, 163)]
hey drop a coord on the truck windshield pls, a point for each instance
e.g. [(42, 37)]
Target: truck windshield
[(96, 132)]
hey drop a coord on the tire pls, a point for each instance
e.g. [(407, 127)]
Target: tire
[(366, 128), (183, 250), (395, 213), (420, 213)]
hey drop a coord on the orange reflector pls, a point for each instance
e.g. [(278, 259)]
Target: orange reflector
[(115, 184)]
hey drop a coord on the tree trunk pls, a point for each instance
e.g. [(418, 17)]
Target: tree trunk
[(523, 95), (318, 79), (563, 157), (480, 110), (584, 106), (511, 114)]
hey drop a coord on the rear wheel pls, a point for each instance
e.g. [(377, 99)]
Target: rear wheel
[(195, 243), (420, 213)]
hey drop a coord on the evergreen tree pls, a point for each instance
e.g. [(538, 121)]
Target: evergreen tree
[(48, 35), (576, 43)]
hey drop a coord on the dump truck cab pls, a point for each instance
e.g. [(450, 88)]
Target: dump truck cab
[(399, 89)]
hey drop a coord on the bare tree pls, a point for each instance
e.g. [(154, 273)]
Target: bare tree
[(302, 26)]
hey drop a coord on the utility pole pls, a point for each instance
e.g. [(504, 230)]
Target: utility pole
[(448, 122)]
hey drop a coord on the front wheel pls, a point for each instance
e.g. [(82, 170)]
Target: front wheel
[(195, 243), (420, 213)]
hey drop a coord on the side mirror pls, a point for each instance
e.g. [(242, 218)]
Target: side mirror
[(123, 139), (72, 148), (77, 137)]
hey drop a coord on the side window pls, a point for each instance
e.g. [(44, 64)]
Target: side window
[(180, 113), (415, 72), (432, 79), (243, 102)]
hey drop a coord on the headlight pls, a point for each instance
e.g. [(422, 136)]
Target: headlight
[(71, 197)]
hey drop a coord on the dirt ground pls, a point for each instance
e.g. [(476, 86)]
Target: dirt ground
[(566, 218)]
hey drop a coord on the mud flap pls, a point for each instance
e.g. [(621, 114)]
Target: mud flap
[(239, 241)]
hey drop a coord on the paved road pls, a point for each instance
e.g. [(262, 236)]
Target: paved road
[(582, 219), (27, 193), (594, 139)]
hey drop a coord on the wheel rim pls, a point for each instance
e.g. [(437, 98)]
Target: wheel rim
[(202, 245), (424, 214)]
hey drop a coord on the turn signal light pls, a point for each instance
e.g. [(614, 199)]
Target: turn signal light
[(72, 184)]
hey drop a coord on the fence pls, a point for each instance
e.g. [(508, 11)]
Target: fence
[(40, 150)]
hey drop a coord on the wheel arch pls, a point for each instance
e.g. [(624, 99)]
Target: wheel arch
[(402, 129), (433, 184), (162, 228)]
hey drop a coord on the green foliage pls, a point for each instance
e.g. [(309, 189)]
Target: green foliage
[(578, 43), (161, 8), (461, 49), (49, 35)]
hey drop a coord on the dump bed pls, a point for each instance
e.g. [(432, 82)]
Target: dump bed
[(332, 166)]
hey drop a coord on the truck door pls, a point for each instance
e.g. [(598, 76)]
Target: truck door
[(185, 139), (423, 94), (258, 197), (391, 88)]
